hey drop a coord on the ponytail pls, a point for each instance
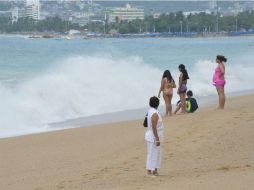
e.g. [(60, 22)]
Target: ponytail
[(221, 58)]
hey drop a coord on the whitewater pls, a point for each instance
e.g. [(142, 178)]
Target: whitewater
[(46, 81)]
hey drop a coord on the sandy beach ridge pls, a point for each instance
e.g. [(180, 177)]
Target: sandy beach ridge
[(205, 150)]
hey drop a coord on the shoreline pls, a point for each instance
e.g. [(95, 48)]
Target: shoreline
[(200, 152), (123, 116), (136, 114), (55, 36)]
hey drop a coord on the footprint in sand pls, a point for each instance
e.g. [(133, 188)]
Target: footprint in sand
[(85, 175), (93, 177), (117, 173), (38, 188), (61, 185), (104, 169), (227, 168), (248, 166)]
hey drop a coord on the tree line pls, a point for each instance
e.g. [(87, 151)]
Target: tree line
[(177, 22), (172, 22), (50, 24)]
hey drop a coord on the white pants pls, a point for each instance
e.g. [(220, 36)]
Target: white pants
[(153, 156)]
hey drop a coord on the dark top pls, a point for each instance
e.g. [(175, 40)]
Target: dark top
[(193, 104), (185, 75)]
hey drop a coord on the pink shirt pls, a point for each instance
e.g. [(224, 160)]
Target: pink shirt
[(217, 79)]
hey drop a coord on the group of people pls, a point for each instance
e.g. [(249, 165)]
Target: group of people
[(154, 133), (167, 86)]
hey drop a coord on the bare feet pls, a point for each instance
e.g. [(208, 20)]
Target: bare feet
[(155, 173), (150, 174)]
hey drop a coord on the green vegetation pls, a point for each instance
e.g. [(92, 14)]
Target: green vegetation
[(4, 6), (51, 24), (173, 22), (177, 22)]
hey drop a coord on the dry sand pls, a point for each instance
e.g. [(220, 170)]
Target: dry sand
[(206, 150)]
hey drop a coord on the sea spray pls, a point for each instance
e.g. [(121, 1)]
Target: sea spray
[(238, 77), (74, 87), (81, 86)]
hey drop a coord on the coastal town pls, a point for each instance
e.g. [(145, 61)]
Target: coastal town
[(99, 19)]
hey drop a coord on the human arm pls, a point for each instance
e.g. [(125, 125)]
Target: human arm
[(180, 82), (222, 69), (155, 119), (162, 86), (174, 84)]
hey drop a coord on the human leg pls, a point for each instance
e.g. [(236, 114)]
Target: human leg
[(222, 98), (183, 103), (153, 157), (166, 99), (178, 107), (170, 105), (158, 159)]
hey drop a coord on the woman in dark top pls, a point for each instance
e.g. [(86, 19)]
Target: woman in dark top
[(182, 88)]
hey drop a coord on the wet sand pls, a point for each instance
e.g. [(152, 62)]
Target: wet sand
[(209, 149)]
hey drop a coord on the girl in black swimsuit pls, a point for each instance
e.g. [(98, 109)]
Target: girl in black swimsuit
[(182, 85)]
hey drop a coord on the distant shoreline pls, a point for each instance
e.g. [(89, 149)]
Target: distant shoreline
[(87, 36)]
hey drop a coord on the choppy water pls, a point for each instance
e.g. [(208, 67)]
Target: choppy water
[(49, 80)]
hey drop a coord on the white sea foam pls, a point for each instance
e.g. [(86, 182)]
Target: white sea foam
[(238, 78), (75, 87), (85, 86)]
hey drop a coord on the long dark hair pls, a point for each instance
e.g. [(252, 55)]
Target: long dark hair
[(221, 58), (167, 75), (184, 71)]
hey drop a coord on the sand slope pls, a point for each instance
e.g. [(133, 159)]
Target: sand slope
[(206, 150)]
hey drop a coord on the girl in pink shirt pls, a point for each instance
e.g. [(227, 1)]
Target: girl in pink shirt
[(219, 79)]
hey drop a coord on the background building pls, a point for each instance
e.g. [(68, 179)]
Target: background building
[(33, 9), (127, 13), (17, 13)]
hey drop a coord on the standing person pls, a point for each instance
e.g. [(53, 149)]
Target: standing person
[(219, 80), (167, 85), (182, 85), (154, 137)]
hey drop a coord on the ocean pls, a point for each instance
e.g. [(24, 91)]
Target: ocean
[(45, 81)]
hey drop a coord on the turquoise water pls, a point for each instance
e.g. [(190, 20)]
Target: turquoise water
[(51, 80), (22, 58)]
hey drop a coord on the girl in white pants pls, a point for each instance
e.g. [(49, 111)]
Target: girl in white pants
[(154, 137)]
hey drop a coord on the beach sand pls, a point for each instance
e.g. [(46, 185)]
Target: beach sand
[(206, 150)]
